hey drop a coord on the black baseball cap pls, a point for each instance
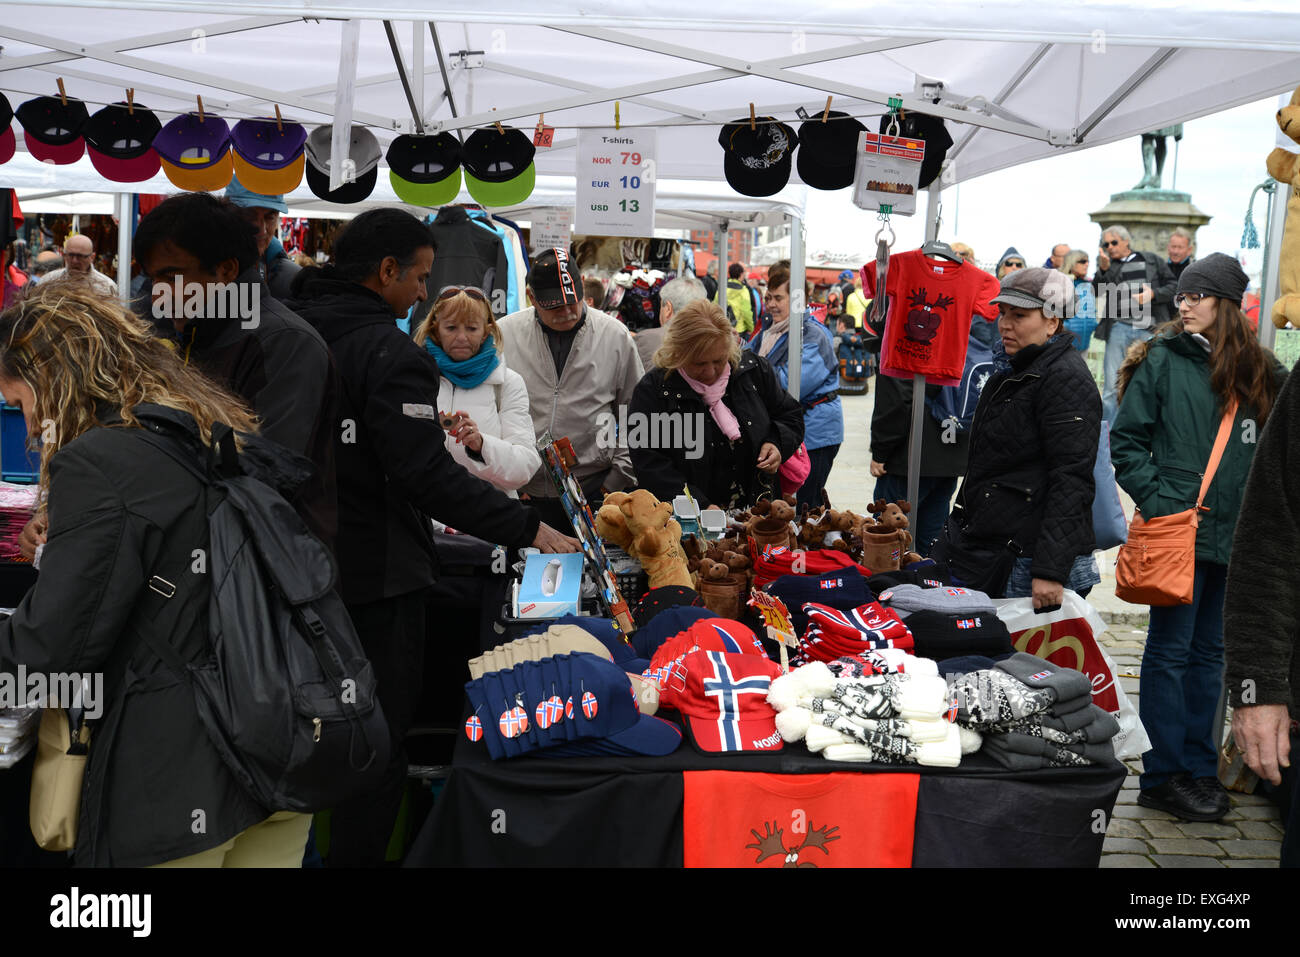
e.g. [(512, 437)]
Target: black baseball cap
[(119, 139), (499, 168), (555, 279), (757, 161), (425, 170), (922, 126), (52, 128), (828, 151), (7, 141)]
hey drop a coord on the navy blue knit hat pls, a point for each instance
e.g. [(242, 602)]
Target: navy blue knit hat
[(843, 589)]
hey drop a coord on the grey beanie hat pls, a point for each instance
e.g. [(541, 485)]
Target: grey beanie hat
[(1215, 275)]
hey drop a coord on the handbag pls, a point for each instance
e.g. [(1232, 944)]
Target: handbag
[(56, 780), (795, 470), (1157, 565), (979, 565), (1109, 527)]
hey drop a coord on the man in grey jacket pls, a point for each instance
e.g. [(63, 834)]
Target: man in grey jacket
[(580, 365)]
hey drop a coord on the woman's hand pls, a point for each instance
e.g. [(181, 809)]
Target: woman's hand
[(468, 433), (33, 534), (877, 469), (550, 541), (1047, 594), (769, 458)]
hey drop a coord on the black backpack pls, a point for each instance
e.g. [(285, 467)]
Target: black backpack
[(287, 694)]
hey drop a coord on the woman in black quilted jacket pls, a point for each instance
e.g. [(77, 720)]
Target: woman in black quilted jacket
[(1023, 521)]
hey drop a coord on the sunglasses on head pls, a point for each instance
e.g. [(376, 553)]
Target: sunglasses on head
[(472, 291)]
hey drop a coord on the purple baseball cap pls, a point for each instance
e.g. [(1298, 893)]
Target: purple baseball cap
[(195, 153), (269, 155)]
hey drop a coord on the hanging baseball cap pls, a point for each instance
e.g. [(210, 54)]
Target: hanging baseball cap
[(499, 168), (268, 154), (52, 129), (722, 698), (555, 279), (362, 161), (757, 161), (922, 126), (828, 152), (119, 139), (8, 143), (425, 170), (195, 152)]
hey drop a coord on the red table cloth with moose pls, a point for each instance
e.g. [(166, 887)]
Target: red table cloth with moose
[(930, 307)]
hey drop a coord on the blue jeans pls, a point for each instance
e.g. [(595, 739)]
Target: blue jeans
[(1083, 576), (1182, 677), (1122, 335), (927, 518)]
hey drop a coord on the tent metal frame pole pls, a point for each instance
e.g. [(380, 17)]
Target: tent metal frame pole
[(125, 227), (142, 42), (442, 69), (258, 93), (417, 66), (416, 118), (914, 462), (1008, 88), (798, 307), (1136, 79), (1269, 286), (721, 241), (778, 70)]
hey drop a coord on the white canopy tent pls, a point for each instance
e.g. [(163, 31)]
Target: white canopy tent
[(1016, 79)]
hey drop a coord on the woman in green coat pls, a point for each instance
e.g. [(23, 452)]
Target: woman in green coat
[(1174, 391)]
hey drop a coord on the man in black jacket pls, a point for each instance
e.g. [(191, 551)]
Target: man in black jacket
[(394, 472), (201, 255)]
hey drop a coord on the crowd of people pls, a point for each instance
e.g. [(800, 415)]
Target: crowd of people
[(438, 428)]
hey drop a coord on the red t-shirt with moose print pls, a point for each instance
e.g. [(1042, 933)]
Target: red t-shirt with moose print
[(930, 305)]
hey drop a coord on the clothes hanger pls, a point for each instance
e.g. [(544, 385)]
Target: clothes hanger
[(940, 250)]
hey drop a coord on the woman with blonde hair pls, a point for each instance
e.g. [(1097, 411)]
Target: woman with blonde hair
[(710, 417), (123, 514), (492, 425)]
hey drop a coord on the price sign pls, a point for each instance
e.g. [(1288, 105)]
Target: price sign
[(616, 182), (551, 227), (887, 172)]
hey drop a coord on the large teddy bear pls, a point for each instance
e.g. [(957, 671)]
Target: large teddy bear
[(644, 527), (1284, 166)]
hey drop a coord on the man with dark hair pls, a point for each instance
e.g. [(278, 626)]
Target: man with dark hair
[(394, 473), (740, 302), (201, 257)]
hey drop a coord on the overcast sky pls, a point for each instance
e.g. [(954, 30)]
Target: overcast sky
[(1035, 206)]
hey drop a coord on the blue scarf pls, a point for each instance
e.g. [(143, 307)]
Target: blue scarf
[(470, 373)]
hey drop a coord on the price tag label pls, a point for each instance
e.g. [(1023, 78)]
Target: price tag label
[(887, 172), (543, 136), (616, 182), (551, 227)]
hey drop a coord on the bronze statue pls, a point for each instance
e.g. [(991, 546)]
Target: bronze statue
[(1153, 153)]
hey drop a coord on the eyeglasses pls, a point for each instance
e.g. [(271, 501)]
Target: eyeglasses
[(1014, 264), (1111, 242), (773, 296), (1191, 298)]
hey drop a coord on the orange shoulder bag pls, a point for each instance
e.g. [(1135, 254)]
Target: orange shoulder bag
[(1157, 565)]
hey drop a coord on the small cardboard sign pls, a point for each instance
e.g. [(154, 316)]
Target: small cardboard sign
[(543, 136), (775, 617)]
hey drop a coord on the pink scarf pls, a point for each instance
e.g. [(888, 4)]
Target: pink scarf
[(712, 396)]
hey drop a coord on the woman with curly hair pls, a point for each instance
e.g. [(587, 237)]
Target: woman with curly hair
[(1174, 392), (92, 381)]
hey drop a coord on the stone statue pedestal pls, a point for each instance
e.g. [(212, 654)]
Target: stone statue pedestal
[(1151, 215)]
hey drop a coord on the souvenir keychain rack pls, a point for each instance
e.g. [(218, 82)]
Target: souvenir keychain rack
[(559, 458)]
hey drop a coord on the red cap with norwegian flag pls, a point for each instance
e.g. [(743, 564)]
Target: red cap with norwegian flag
[(722, 698), (707, 634)]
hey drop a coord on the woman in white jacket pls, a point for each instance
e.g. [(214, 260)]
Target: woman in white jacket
[(493, 429)]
